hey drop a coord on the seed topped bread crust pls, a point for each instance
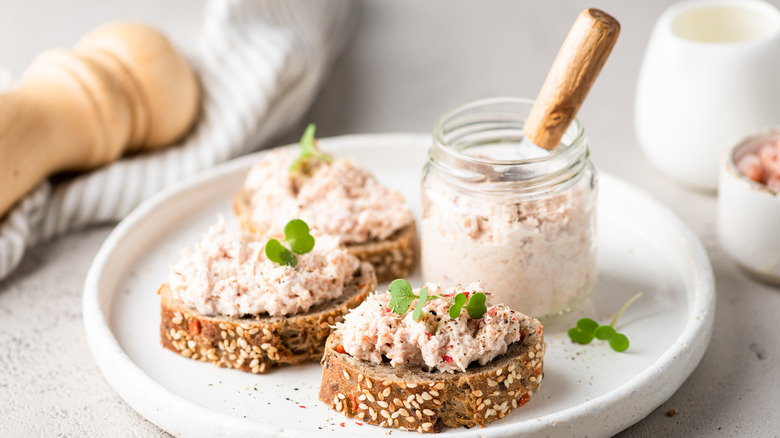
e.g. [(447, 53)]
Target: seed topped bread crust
[(407, 397), (256, 344)]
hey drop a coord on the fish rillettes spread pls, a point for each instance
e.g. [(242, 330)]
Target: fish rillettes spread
[(372, 332), (339, 199), (534, 254), (229, 274)]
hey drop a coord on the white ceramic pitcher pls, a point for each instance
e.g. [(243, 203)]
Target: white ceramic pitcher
[(710, 75)]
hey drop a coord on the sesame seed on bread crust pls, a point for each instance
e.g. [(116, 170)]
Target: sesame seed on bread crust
[(407, 397), (392, 258), (256, 344)]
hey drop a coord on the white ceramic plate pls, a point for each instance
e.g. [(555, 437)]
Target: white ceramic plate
[(588, 390)]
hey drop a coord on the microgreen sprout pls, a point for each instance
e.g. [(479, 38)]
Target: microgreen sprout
[(475, 305), (417, 313), (309, 149), (587, 329), (457, 303), (402, 296), (296, 234)]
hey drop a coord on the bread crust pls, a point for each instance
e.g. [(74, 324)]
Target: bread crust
[(407, 397), (259, 343), (391, 258)]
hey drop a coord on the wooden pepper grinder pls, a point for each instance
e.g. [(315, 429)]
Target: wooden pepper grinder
[(123, 88)]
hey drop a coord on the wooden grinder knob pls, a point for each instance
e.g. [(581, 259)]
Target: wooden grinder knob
[(123, 88)]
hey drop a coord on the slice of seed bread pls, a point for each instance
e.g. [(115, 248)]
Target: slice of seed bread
[(407, 397), (392, 258), (256, 344)]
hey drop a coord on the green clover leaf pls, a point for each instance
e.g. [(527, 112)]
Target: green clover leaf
[(296, 233), (279, 254), (583, 333), (401, 296), (476, 305), (604, 332), (619, 342), (457, 303), (587, 329)]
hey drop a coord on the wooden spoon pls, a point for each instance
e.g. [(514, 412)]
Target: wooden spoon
[(576, 67)]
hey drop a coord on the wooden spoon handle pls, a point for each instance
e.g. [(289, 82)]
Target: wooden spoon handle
[(576, 67)]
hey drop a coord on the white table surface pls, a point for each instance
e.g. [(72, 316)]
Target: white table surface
[(407, 63)]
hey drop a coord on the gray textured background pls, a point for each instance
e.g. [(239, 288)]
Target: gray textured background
[(408, 62)]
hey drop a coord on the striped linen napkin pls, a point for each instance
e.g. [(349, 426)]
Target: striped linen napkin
[(260, 64)]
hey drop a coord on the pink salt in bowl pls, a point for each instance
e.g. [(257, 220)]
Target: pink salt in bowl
[(749, 209)]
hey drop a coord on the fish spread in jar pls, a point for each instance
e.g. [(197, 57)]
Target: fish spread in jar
[(538, 255)]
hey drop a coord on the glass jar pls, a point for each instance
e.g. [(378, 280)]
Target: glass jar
[(523, 226)]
